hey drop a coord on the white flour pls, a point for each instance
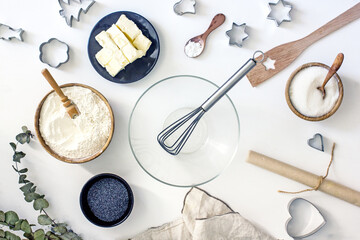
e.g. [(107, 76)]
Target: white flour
[(193, 49), (305, 96), (80, 137)]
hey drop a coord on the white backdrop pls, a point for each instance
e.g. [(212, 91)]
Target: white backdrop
[(267, 124)]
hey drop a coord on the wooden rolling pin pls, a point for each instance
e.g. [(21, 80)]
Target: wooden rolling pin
[(304, 177)]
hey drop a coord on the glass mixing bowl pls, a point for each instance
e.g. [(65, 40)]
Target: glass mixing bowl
[(210, 148)]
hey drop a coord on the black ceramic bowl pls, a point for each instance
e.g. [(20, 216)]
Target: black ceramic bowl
[(106, 200)]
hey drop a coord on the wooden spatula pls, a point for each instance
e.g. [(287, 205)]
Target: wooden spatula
[(288, 52)]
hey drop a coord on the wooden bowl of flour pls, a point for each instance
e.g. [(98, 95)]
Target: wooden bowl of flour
[(69, 159), (299, 113)]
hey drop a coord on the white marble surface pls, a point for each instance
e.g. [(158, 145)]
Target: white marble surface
[(267, 124)]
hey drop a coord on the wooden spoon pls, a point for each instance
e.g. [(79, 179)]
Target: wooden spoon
[(335, 66), (286, 53), (201, 39), (71, 108)]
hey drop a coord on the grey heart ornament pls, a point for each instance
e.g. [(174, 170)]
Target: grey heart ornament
[(317, 142), (305, 219)]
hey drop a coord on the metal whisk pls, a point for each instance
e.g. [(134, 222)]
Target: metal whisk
[(196, 115)]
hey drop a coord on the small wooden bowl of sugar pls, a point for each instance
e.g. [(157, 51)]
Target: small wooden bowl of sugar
[(303, 97), (76, 140)]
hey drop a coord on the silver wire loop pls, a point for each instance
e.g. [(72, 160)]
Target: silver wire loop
[(261, 53)]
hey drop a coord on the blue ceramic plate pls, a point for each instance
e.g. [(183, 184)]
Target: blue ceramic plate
[(140, 67)]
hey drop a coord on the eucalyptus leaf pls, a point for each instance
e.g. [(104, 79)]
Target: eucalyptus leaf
[(11, 236), (13, 146), (53, 237), (39, 234), (11, 217), (29, 197), (25, 227), (69, 236), (2, 233), (17, 226), (18, 156), (60, 229), (33, 189), (26, 188), (40, 204), (24, 170), (24, 129), (22, 138), (22, 178), (44, 220), (2, 216)]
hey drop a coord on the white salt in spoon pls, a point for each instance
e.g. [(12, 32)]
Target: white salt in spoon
[(195, 46)]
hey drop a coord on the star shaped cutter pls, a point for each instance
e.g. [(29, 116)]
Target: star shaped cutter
[(286, 18), (237, 35)]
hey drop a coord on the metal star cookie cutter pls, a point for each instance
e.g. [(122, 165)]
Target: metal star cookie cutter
[(17, 33), (237, 35), (185, 6), (82, 5), (305, 219), (272, 14), (44, 58)]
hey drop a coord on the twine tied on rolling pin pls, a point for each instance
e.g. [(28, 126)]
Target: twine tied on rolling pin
[(314, 181), (321, 178)]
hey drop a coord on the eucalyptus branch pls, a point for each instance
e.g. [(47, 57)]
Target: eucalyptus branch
[(59, 231)]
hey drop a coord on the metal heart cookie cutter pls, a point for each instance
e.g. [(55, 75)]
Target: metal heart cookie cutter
[(317, 142), (185, 6), (49, 52), (305, 218)]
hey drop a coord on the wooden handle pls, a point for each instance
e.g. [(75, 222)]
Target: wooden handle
[(215, 23), (336, 65), (330, 187), (54, 84), (338, 22)]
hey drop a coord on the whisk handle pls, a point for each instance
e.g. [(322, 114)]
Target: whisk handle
[(235, 78)]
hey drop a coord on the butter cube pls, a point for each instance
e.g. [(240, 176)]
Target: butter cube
[(104, 56), (116, 64), (142, 43), (105, 41), (118, 36), (128, 27), (131, 53)]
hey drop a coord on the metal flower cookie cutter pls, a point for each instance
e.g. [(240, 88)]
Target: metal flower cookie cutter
[(185, 6), (279, 12), (305, 218), (54, 52)]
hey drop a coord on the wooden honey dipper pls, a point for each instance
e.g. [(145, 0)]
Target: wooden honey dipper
[(71, 108)]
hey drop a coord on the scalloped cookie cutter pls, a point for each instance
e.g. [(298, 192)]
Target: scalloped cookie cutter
[(305, 218), (278, 13), (7, 33), (71, 9), (51, 56), (185, 6)]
